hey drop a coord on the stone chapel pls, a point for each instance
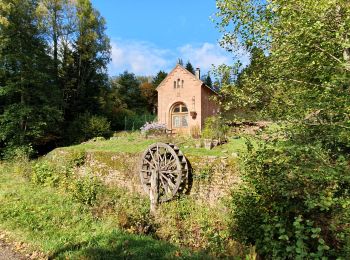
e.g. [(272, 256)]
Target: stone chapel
[(184, 101)]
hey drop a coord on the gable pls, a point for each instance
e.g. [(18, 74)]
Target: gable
[(180, 75)]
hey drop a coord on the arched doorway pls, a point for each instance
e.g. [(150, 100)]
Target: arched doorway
[(179, 117)]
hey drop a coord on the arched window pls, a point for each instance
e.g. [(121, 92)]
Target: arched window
[(179, 116), (182, 83), (174, 84)]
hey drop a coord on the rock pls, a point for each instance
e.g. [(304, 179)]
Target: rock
[(234, 155)]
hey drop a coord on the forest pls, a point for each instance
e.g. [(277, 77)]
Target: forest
[(294, 198)]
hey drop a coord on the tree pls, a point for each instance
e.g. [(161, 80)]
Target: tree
[(30, 98), (207, 80), (293, 203), (88, 60), (150, 95), (189, 67), (153, 94), (161, 75), (128, 89), (57, 18)]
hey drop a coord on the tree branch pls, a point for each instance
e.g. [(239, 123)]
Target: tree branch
[(331, 55)]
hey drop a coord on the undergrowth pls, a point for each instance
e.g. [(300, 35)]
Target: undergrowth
[(67, 215)]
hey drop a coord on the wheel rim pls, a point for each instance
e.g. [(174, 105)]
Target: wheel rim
[(168, 161)]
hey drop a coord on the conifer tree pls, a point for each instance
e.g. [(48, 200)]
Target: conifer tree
[(189, 67)]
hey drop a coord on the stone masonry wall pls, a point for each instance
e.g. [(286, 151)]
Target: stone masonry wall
[(212, 177)]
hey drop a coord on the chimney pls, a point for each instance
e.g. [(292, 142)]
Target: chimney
[(198, 73)]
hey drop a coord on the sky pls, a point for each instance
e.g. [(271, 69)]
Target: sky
[(150, 35)]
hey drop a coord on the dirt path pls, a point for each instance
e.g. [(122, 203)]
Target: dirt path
[(6, 253)]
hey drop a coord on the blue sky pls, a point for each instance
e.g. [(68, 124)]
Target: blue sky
[(150, 35)]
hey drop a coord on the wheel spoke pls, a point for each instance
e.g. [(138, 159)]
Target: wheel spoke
[(167, 161), (170, 166), (150, 164), (165, 186), (172, 185), (155, 162)]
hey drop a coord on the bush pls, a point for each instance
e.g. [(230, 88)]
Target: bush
[(87, 126), (294, 202), (45, 173), (153, 128), (187, 223), (215, 128), (18, 153), (85, 190)]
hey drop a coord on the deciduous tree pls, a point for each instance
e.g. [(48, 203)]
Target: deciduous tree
[(295, 197), (29, 97)]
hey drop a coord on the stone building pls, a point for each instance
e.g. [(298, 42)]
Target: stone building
[(184, 101)]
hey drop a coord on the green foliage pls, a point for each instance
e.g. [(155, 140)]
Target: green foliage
[(294, 202), (49, 221), (88, 126), (134, 122), (131, 211), (84, 72), (187, 223), (249, 95), (208, 81), (299, 187), (44, 173), (215, 128), (53, 60), (29, 98), (128, 88), (85, 190), (161, 75), (18, 153)]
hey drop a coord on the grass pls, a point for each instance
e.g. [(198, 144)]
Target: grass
[(135, 143), (50, 221)]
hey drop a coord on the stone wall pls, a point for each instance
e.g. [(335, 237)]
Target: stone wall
[(212, 177)]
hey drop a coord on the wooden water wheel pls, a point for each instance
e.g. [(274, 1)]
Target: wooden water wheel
[(163, 171)]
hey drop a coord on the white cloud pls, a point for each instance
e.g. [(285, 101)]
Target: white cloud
[(204, 55), (141, 58)]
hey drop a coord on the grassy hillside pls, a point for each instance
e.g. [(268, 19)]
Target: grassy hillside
[(49, 220), (48, 205), (135, 143)]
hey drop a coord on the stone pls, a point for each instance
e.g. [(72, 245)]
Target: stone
[(234, 155)]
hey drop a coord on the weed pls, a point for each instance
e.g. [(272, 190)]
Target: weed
[(85, 190), (44, 173)]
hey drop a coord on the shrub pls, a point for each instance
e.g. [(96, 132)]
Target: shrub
[(188, 223), (294, 204), (45, 173), (88, 126), (130, 211), (153, 128), (215, 128), (18, 153), (85, 190)]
